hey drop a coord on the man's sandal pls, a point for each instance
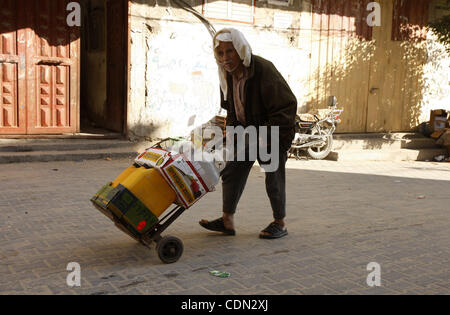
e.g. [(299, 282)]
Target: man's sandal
[(217, 226), (273, 231)]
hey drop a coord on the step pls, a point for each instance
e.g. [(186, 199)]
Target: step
[(395, 147), (81, 135), (62, 145), (388, 155), (390, 136), (75, 155), (383, 144), (385, 147), (45, 150), (394, 141)]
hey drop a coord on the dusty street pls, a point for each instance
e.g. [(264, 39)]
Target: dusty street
[(341, 217)]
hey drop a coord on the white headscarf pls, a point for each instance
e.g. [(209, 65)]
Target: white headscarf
[(242, 48)]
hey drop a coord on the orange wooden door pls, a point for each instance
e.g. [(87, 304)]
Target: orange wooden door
[(53, 69), (39, 68), (12, 69)]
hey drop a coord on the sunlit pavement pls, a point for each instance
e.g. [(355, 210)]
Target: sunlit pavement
[(341, 217)]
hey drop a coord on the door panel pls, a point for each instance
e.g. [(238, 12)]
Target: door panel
[(54, 65), (340, 49), (53, 99), (12, 107), (396, 72), (8, 94)]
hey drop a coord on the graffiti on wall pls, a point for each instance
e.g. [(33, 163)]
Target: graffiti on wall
[(176, 81), (181, 79)]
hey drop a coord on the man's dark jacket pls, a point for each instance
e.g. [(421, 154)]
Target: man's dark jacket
[(268, 101)]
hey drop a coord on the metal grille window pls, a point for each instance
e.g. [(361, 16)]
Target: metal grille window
[(230, 10), (281, 2), (341, 17)]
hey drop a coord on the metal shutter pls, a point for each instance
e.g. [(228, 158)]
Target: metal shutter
[(232, 10)]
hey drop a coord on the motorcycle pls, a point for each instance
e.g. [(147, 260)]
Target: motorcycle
[(314, 134)]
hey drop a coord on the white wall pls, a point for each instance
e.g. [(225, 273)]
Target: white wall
[(173, 80), (173, 74), (436, 89)]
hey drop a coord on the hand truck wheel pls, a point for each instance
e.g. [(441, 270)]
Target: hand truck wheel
[(170, 249)]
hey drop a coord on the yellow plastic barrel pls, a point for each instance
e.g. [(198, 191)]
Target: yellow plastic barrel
[(124, 175), (150, 188)]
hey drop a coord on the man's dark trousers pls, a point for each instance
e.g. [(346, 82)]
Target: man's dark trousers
[(234, 178)]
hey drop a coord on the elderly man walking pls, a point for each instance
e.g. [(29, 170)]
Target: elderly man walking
[(254, 93)]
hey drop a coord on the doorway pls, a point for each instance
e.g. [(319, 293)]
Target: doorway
[(104, 60), (39, 68)]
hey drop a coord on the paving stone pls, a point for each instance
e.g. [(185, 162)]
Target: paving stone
[(222, 285), (340, 216), (318, 289)]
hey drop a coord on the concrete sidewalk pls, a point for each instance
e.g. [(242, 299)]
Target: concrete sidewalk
[(341, 217)]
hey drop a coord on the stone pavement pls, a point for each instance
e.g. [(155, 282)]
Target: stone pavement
[(341, 217)]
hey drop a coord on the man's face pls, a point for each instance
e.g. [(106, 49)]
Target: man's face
[(228, 56)]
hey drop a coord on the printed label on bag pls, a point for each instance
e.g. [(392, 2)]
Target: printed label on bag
[(184, 181), (179, 183), (153, 157)]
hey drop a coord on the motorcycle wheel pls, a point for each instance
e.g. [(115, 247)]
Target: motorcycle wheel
[(319, 153)]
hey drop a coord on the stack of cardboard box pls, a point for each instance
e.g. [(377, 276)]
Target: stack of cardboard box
[(440, 126)]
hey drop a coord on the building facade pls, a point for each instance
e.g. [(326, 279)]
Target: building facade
[(145, 68)]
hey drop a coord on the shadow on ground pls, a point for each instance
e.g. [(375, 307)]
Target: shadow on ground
[(337, 222)]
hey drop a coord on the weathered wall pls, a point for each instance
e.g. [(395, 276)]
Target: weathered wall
[(436, 89), (173, 75)]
